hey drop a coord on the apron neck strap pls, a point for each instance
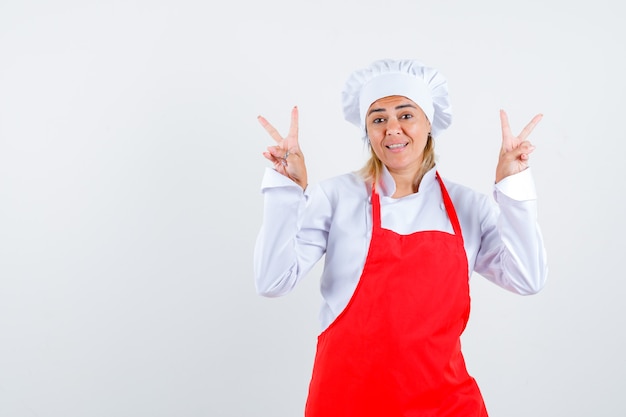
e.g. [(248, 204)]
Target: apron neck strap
[(376, 218), (447, 201)]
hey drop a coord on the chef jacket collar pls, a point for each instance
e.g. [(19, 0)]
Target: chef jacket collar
[(387, 185)]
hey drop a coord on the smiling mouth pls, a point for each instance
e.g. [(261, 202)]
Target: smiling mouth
[(396, 146)]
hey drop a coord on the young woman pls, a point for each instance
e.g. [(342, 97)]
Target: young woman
[(400, 245)]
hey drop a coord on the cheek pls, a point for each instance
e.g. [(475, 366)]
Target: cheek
[(373, 131), (379, 154)]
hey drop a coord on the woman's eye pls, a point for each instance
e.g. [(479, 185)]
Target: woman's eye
[(378, 120), (406, 116)]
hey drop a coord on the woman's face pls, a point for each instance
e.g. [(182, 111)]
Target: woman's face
[(398, 131)]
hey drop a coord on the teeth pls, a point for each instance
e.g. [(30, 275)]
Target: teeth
[(396, 145)]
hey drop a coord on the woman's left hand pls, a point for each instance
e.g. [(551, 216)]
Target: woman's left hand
[(515, 150)]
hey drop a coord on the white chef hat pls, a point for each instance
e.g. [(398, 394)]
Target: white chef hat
[(409, 78)]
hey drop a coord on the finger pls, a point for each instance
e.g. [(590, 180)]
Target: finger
[(526, 148), (276, 151), (291, 140), (504, 121), (530, 126), (270, 129), (521, 152), (507, 137), (269, 156), (293, 128), (278, 162)]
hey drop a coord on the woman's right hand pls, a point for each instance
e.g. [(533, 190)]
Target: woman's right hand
[(286, 154)]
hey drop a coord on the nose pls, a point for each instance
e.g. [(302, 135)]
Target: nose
[(393, 127)]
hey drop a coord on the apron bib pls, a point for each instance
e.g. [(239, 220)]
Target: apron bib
[(395, 349)]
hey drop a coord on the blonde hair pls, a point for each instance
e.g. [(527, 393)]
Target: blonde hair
[(373, 168)]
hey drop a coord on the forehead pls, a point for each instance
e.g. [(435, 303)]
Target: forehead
[(390, 102)]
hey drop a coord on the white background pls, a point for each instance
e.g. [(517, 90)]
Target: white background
[(130, 166)]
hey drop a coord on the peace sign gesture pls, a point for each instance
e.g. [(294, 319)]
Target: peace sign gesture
[(286, 154), (515, 149)]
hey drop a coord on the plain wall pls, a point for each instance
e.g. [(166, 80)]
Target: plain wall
[(130, 170)]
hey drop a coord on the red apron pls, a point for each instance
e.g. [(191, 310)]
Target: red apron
[(395, 350)]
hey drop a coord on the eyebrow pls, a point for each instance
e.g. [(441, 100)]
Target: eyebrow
[(401, 106)]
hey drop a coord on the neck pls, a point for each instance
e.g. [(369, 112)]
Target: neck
[(405, 183), (408, 181)]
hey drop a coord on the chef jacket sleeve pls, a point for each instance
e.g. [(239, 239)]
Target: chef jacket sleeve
[(512, 252), (293, 234)]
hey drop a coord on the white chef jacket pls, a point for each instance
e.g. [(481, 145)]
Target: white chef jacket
[(502, 239)]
